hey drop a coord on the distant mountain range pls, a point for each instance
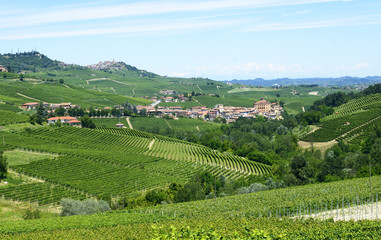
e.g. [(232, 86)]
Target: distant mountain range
[(341, 81)]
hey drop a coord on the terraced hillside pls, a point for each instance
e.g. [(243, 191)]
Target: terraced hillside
[(352, 121), (114, 162)]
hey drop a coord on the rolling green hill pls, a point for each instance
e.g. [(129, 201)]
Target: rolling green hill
[(111, 162), (17, 93), (121, 79)]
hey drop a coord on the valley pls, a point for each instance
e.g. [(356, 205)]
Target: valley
[(133, 148)]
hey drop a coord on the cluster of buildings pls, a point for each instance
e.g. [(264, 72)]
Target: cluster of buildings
[(53, 106), (177, 98), (103, 65), (230, 114), (261, 108)]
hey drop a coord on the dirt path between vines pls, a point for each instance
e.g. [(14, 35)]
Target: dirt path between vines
[(129, 123), (168, 123), (151, 144), (25, 96)]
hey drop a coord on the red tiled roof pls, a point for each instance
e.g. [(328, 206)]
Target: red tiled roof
[(262, 101), (30, 103), (74, 121), (62, 118)]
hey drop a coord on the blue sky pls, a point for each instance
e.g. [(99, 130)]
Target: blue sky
[(222, 40)]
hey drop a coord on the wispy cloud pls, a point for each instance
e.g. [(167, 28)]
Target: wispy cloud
[(358, 21), (160, 27), (297, 13), (55, 15)]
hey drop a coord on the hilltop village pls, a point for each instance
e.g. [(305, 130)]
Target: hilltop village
[(227, 114), (230, 114)]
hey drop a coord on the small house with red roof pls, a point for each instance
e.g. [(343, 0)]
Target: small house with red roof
[(30, 105), (72, 121)]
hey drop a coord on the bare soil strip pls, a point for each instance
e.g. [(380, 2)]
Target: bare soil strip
[(371, 211), (168, 123), (100, 79), (22, 95), (129, 123), (150, 144)]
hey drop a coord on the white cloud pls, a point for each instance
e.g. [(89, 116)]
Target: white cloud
[(178, 74), (141, 9), (352, 68), (360, 66)]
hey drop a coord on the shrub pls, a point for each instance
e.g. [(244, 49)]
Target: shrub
[(86, 207), (32, 214), (255, 187)]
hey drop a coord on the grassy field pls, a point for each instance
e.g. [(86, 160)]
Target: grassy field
[(15, 211), (155, 125), (17, 157), (109, 122)]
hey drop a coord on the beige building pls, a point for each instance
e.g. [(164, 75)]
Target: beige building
[(262, 106)]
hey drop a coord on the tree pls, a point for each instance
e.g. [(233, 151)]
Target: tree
[(40, 115), (87, 122), (301, 169), (143, 112), (58, 123), (3, 166), (60, 111)]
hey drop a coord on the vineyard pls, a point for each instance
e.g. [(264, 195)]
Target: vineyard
[(8, 107), (271, 211), (42, 193), (111, 161), (356, 105), (7, 117), (350, 126)]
